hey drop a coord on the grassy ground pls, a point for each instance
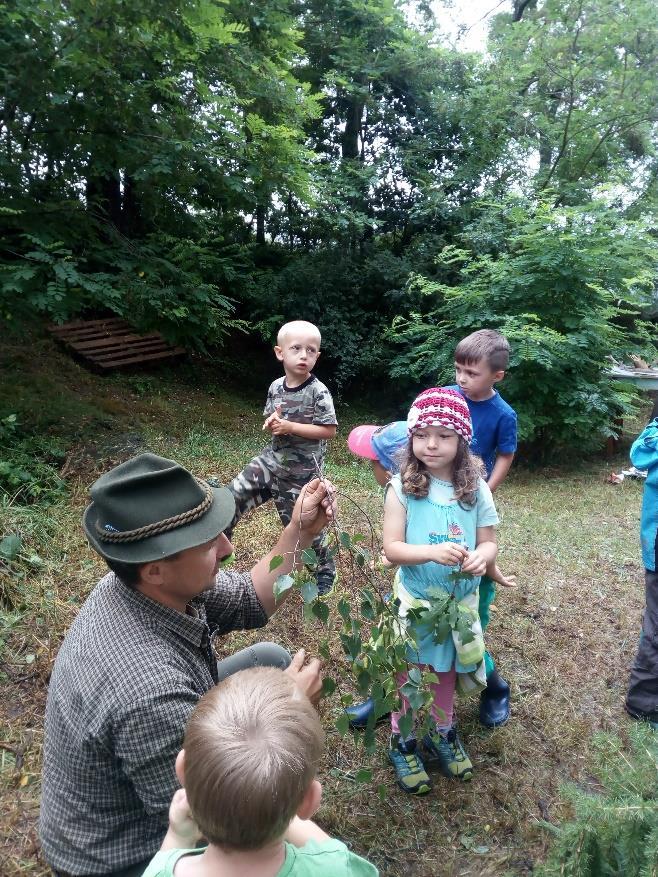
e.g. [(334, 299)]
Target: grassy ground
[(564, 637)]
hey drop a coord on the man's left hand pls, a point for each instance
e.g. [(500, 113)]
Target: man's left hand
[(316, 506), (307, 677)]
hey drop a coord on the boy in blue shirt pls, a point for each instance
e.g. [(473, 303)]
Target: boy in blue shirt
[(481, 360), (642, 697)]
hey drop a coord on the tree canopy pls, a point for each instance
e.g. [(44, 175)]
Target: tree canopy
[(212, 165)]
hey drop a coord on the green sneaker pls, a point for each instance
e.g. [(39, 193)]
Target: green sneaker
[(446, 752), (409, 769)]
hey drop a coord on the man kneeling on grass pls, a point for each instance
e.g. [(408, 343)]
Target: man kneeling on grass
[(140, 655)]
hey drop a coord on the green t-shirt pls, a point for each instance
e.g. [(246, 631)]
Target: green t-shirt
[(328, 859)]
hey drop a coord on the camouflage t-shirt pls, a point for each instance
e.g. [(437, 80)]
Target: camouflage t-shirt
[(310, 402)]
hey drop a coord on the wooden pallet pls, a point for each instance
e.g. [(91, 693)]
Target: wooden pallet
[(112, 343)]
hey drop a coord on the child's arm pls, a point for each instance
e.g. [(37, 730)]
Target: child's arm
[(303, 430), (278, 425), (497, 575), (400, 552), (500, 470), (644, 451), (484, 553), (183, 832)]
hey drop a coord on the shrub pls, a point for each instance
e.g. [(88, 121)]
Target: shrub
[(565, 285)]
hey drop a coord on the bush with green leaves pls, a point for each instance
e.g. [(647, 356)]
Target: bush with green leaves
[(28, 464), (172, 284), (614, 829), (565, 285), (351, 297), (376, 646)]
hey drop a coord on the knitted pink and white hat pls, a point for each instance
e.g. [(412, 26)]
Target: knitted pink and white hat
[(439, 406)]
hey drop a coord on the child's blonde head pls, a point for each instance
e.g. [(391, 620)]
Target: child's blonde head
[(252, 748), (300, 328)]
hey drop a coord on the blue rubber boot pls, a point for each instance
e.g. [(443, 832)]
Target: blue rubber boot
[(494, 701), (359, 713)]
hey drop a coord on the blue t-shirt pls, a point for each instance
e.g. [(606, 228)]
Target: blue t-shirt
[(494, 432), (644, 455), (494, 428)]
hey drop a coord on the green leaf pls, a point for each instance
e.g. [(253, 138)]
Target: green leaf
[(344, 609), (281, 585), (344, 539), (415, 675), (406, 723), (276, 561), (323, 650), (11, 546), (309, 557), (342, 724), (328, 686), (382, 792), (321, 611), (364, 775), (309, 591)]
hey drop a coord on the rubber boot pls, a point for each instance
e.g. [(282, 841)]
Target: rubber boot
[(494, 701)]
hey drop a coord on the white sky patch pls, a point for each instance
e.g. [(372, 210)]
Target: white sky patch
[(465, 22)]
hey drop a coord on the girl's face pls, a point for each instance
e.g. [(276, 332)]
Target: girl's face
[(436, 447)]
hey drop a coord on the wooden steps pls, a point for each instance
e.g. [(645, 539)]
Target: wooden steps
[(111, 343)]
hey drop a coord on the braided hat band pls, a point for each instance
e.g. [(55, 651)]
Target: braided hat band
[(439, 406), (157, 527)]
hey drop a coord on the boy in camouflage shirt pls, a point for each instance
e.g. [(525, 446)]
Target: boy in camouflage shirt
[(299, 412)]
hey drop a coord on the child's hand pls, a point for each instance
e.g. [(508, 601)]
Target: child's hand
[(279, 426), (501, 579), (183, 830), (277, 414), (474, 564), (448, 553)]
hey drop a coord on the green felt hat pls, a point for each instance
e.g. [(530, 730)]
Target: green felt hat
[(150, 507)]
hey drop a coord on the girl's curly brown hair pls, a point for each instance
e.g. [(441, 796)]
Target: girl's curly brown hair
[(467, 470)]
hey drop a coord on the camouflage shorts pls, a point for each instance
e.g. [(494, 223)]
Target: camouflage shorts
[(258, 484)]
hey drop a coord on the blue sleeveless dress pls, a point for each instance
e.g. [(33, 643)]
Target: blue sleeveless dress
[(434, 519)]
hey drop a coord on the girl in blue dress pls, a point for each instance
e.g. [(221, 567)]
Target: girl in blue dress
[(439, 526)]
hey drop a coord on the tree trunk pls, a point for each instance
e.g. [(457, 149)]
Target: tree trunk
[(261, 212), (104, 193)]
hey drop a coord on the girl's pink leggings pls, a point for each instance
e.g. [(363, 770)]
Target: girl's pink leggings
[(444, 698)]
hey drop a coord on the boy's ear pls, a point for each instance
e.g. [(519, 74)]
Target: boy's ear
[(311, 801), (498, 376), (180, 767), (278, 352)]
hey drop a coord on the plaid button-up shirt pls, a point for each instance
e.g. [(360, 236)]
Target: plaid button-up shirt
[(126, 678)]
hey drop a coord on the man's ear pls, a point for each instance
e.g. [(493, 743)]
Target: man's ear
[(180, 767), (278, 352), (311, 801), (151, 573)]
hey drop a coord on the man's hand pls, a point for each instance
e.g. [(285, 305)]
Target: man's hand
[(307, 678), (315, 506)]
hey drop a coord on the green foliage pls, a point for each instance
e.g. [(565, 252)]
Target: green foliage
[(374, 639), (27, 467), (564, 285), (614, 830)]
